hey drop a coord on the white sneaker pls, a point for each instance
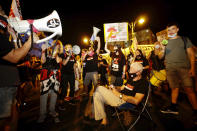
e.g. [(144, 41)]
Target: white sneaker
[(55, 114), (41, 119)]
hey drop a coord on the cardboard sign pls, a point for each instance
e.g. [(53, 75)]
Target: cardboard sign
[(116, 32)]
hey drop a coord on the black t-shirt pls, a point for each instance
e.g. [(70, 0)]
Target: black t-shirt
[(91, 63), (133, 87), (157, 64), (117, 64), (9, 72), (102, 69), (68, 69), (50, 63)]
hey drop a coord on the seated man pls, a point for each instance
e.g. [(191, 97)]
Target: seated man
[(133, 92)]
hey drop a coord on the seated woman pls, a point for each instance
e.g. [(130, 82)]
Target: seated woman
[(133, 92)]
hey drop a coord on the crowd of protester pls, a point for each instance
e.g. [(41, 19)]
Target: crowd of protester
[(61, 69)]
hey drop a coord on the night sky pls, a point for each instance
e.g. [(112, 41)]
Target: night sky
[(78, 17)]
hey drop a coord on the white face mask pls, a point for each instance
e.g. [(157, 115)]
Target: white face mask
[(157, 46), (172, 36)]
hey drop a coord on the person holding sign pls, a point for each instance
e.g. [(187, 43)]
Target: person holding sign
[(118, 65)]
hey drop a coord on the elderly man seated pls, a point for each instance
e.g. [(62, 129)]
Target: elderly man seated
[(134, 92)]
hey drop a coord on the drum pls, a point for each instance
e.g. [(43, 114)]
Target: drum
[(158, 77)]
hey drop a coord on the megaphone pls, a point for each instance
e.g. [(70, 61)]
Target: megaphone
[(95, 32), (50, 23)]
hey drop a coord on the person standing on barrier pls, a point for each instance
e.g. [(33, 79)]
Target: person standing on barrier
[(180, 67), (9, 79)]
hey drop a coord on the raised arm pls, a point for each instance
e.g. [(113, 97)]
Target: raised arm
[(161, 54), (99, 45), (108, 51)]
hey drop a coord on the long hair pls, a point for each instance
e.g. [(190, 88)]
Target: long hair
[(120, 53)]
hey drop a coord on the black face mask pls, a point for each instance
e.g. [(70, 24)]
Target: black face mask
[(132, 75), (116, 50), (138, 57)]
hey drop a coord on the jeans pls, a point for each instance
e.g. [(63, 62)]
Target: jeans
[(52, 103), (7, 97)]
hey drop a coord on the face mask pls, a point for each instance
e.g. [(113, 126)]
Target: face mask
[(90, 53), (172, 36), (132, 75), (115, 50), (138, 56), (157, 46)]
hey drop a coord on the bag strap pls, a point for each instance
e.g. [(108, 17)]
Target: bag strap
[(185, 42)]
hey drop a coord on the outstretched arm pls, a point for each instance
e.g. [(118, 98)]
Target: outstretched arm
[(17, 54), (108, 51), (99, 45)]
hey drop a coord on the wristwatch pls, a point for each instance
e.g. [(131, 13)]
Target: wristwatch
[(120, 96)]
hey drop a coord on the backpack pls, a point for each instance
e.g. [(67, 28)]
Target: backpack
[(185, 42)]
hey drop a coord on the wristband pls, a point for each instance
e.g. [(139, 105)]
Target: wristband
[(120, 96)]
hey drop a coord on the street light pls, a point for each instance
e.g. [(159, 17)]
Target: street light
[(132, 25), (85, 40), (141, 21)]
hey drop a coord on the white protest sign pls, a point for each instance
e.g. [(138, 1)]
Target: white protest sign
[(116, 32)]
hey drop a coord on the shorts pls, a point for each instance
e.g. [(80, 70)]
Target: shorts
[(179, 77), (7, 98), (91, 76)]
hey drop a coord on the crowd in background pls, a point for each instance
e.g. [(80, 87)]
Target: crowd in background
[(59, 70)]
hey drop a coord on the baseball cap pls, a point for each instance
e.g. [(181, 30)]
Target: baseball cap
[(136, 67)]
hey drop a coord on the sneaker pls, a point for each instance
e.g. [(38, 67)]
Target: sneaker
[(169, 110), (56, 120), (73, 102), (67, 98), (41, 119), (77, 98), (61, 108), (55, 114)]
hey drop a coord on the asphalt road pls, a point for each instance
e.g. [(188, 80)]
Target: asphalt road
[(72, 118)]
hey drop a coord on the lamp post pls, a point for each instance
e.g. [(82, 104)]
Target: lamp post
[(132, 25)]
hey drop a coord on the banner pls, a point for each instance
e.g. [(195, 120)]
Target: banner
[(15, 10), (116, 32)]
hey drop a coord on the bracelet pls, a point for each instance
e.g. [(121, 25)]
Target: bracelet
[(120, 96)]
